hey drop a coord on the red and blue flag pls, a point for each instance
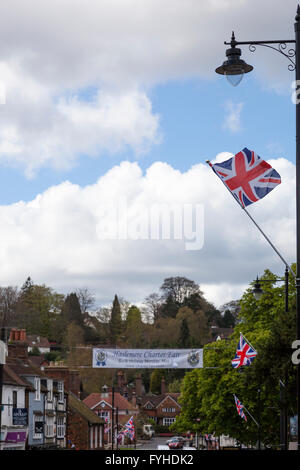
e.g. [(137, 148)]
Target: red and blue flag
[(129, 429), (247, 176), (240, 408), (245, 354)]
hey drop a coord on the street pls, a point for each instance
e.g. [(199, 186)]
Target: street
[(153, 443)]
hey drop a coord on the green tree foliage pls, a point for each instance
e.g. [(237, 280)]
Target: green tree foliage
[(36, 308), (71, 310), (184, 334), (115, 324), (207, 394), (169, 308), (197, 325), (155, 381), (134, 333)]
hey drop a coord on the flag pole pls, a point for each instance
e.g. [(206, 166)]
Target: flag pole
[(244, 408), (247, 341), (251, 416), (257, 226)]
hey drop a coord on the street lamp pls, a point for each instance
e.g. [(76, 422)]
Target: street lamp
[(258, 292), (234, 66)]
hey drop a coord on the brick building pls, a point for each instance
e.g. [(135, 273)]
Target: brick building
[(50, 395), (102, 405), (163, 408), (85, 428)]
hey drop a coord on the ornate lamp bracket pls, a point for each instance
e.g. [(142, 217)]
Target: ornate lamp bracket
[(280, 46)]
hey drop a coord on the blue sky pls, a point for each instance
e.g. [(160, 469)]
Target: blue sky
[(192, 115), (89, 91)]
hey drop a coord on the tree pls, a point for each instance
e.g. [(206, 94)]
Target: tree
[(179, 288), (199, 333), (8, 303), (169, 308), (153, 305), (86, 299), (71, 311), (37, 307), (134, 328), (74, 336), (115, 323), (228, 320), (184, 335), (211, 405), (233, 307), (155, 381), (133, 317)]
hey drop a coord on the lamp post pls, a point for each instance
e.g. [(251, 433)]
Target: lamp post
[(234, 69), (257, 292)]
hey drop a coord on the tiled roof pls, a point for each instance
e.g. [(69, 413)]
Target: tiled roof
[(36, 340), (11, 378), (119, 402), (81, 408), (157, 399)]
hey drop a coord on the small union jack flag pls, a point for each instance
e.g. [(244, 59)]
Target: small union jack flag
[(247, 176), (129, 429), (240, 408), (244, 355), (106, 425)]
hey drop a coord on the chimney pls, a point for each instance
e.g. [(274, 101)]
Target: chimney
[(17, 346), (120, 380), (23, 335), (133, 399), (57, 370), (12, 335)]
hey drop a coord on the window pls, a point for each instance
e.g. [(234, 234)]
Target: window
[(38, 426), (103, 414), (60, 387), (50, 390), (168, 421), (169, 410), (15, 399), (60, 427), (37, 386), (9, 407), (49, 426)]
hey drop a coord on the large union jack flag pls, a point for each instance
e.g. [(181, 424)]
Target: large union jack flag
[(244, 355), (240, 408), (247, 176)]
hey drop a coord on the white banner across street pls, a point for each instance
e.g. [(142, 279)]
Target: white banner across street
[(148, 358)]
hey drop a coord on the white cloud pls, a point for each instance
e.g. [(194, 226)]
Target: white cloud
[(119, 48), (38, 128), (232, 121), (54, 238)]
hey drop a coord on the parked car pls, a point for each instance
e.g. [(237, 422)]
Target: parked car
[(176, 443), (180, 438)]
